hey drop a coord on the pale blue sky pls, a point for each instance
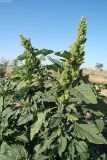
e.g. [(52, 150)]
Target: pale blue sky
[(52, 24)]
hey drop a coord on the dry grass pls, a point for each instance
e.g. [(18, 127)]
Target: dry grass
[(96, 76), (104, 92)]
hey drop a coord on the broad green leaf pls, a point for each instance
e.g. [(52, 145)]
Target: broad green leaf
[(57, 63), (46, 52), (100, 124), (71, 107), (37, 125), (49, 96), (98, 109), (25, 118), (4, 147), (48, 84), (22, 138), (8, 112), (64, 54), (1, 103), (82, 149), (90, 132), (71, 149), (14, 152), (84, 93), (44, 147), (41, 157), (4, 123), (8, 132), (62, 145)]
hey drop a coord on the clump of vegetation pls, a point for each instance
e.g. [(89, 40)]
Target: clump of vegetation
[(99, 66), (3, 67), (51, 112), (2, 70)]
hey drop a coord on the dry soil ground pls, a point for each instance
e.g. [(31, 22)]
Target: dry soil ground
[(98, 77)]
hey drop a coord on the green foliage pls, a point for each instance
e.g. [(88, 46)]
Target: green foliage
[(12, 152), (90, 132), (3, 67), (50, 112), (37, 125), (85, 93), (2, 70), (99, 66)]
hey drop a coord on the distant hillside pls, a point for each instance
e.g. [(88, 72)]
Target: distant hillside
[(96, 76)]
